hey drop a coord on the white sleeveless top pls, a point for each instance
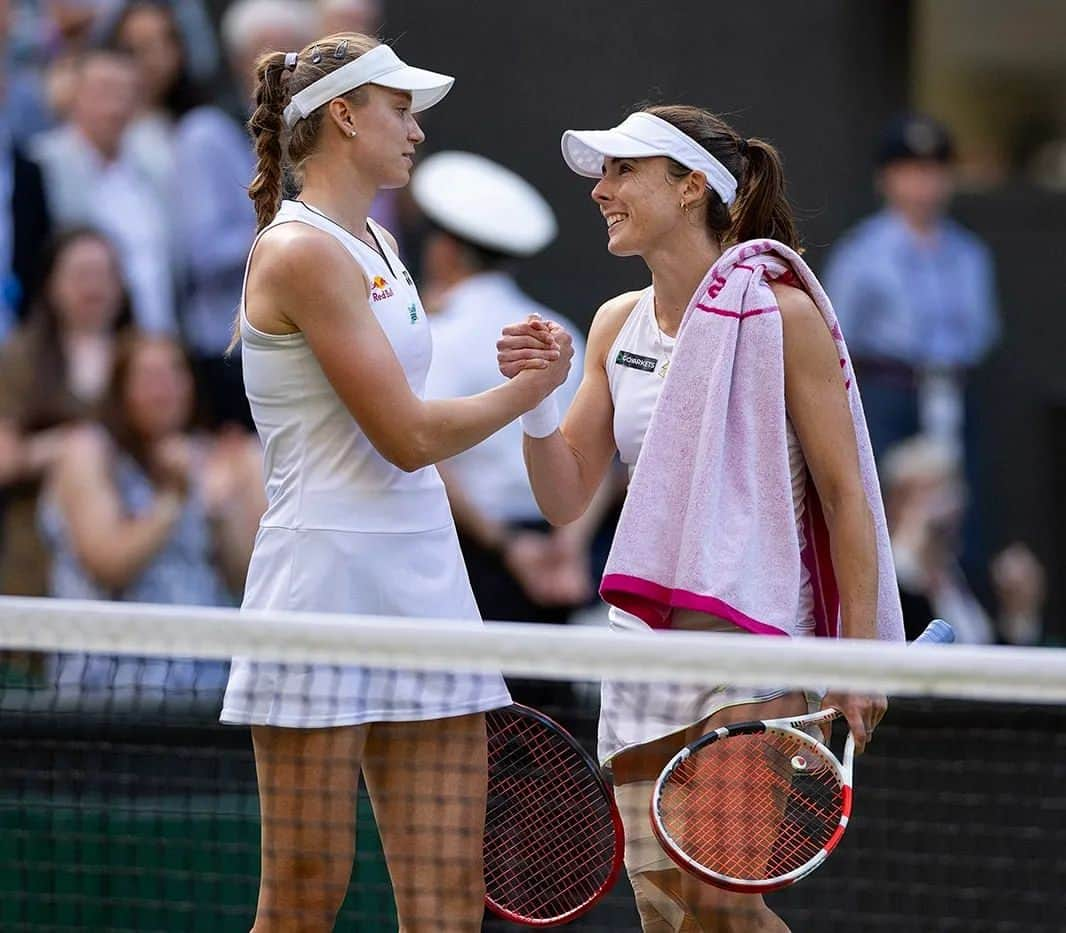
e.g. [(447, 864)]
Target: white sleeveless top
[(321, 470), (345, 531), (635, 376)]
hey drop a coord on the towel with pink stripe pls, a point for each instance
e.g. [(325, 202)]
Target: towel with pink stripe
[(709, 523)]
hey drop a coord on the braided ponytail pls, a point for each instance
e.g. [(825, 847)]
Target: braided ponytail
[(266, 128)]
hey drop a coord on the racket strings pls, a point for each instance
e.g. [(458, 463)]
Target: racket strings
[(753, 807), (549, 839)]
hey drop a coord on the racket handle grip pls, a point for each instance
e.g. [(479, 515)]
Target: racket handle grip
[(936, 632)]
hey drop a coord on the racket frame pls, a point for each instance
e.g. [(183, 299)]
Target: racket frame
[(791, 727), (936, 632), (616, 821)]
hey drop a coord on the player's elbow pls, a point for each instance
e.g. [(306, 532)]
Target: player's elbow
[(409, 452)]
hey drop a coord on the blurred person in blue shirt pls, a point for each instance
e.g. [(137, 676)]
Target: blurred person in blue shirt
[(915, 294), (216, 220)]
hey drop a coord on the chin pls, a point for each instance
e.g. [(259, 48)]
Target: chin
[(619, 247)]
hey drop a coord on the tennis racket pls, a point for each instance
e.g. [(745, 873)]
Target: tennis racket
[(553, 837), (756, 806)]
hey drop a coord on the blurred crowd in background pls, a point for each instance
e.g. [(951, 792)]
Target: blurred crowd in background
[(129, 468)]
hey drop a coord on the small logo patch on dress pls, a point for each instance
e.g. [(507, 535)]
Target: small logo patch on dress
[(634, 361)]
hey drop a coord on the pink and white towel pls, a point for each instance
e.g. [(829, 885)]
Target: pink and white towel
[(709, 522)]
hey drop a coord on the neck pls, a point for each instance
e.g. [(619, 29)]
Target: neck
[(333, 188), (919, 222), (676, 272), (106, 149)]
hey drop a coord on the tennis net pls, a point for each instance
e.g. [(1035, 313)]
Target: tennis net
[(125, 805)]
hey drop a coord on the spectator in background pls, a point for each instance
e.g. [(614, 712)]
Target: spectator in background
[(25, 106), (915, 294), (195, 32), (91, 178), (148, 32), (147, 512), (216, 219), (53, 374), (24, 220), (363, 16), (484, 219), (141, 508), (924, 500)]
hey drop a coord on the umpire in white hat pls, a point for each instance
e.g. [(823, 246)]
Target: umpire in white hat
[(484, 220)]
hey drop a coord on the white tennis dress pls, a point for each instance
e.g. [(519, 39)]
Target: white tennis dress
[(345, 530), (636, 713)]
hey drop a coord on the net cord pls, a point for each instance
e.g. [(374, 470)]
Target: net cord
[(1036, 675)]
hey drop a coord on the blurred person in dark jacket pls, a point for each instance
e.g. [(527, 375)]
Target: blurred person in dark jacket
[(925, 497), (24, 221), (53, 374)]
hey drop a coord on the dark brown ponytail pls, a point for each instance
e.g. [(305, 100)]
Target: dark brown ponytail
[(761, 208)]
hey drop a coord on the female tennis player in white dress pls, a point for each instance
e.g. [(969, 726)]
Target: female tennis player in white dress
[(670, 206), (336, 347)]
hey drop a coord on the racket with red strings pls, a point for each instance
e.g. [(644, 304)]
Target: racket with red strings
[(553, 837), (756, 806)]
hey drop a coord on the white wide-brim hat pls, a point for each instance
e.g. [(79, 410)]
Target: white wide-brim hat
[(483, 203)]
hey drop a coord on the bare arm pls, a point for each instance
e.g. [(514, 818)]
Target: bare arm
[(817, 403), (112, 547), (303, 279), (567, 467)]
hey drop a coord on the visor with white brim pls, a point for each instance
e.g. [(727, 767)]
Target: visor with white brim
[(381, 66), (641, 136)]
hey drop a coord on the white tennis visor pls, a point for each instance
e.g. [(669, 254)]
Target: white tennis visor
[(640, 136), (381, 66)]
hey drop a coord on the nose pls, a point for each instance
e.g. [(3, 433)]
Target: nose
[(601, 192), (415, 134)]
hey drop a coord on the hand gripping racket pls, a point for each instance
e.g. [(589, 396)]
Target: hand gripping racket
[(756, 806), (553, 837)]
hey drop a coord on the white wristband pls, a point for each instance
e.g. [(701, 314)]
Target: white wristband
[(542, 420)]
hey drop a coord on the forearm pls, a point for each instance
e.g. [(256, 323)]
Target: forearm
[(853, 545), (446, 427), (562, 483), (116, 556)]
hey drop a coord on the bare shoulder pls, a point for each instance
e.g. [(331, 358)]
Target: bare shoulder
[(296, 268), (797, 307), (294, 253), (610, 317)]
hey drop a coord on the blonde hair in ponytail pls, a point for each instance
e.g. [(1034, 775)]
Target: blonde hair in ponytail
[(276, 148)]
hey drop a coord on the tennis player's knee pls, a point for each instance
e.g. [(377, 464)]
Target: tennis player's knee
[(646, 862)]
